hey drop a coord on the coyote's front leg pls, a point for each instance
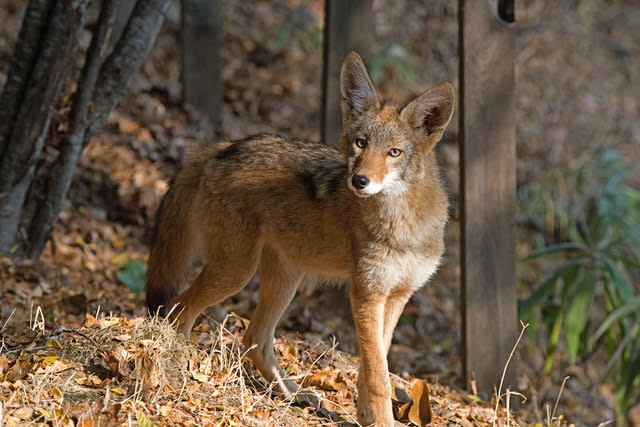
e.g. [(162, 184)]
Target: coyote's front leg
[(374, 388)]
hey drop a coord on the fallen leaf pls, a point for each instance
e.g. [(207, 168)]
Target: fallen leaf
[(90, 381), (4, 364), (144, 421), (290, 353), (200, 377), (54, 343), (122, 337), (147, 371), (24, 413), (420, 411), (118, 391), (165, 410), (57, 394), (91, 322), (403, 412), (327, 379), (19, 370), (12, 421)]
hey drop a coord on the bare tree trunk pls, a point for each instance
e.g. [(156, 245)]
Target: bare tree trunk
[(127, 58), (105, 88), (43, 57), (33, 116), (122, 18), (46, 196), (26, 52)]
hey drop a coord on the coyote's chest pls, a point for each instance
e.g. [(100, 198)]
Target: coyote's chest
[(390, 269)]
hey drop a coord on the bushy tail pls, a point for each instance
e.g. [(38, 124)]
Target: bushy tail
[(171, 248)]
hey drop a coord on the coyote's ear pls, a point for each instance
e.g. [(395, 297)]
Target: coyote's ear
[(358, 93), (431, 111)]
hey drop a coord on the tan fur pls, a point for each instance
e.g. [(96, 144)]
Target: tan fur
[(289, 207)]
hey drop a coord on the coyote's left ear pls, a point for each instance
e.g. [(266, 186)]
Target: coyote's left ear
[(431, 111)]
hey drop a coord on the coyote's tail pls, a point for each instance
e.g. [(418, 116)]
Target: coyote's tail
[(171, 253), (173, 246)]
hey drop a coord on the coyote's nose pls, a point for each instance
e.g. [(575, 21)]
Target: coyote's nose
[(359, 181)]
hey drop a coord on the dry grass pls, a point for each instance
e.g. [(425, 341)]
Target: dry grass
[(115, 370)]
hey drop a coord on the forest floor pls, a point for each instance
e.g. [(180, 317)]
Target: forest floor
[(76, 345)]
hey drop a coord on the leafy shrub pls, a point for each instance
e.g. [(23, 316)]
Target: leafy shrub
[(590, 296)]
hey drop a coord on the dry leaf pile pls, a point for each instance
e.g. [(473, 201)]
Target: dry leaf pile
[(115, 370)]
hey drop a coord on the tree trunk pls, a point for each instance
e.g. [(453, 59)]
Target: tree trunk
[(201, 67), (44, 54), (107, 87), (25, 54), (55, 53), (45, 196)]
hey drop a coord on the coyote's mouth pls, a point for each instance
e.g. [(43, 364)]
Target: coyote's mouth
[(361, 193)]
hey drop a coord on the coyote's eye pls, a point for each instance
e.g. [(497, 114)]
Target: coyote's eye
[(361, 143), (394, 152)]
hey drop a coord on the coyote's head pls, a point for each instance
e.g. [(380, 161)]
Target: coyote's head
[(385, 145)]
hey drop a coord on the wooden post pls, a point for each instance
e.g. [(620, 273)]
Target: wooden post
[(201, 67), (348, 26), (488, 191)]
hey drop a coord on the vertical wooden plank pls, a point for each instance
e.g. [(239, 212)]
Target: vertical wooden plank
[(201, 66), (488, 190), (348, 26)]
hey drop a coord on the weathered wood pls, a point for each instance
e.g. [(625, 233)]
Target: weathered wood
[(348, 26), (201, 67), (488, 191)]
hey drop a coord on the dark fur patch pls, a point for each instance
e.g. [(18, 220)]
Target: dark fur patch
[(327, 180), (157, 302), (308, 182), (230, 151)]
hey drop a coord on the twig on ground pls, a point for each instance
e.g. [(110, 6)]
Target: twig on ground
[(504, 372), (555, 406)]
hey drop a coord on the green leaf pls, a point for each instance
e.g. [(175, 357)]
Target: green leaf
[(613, 317), (622, 284), (554, 248), (134, 275), (578, 314), (544, 291), (630, 378), (554, 336)]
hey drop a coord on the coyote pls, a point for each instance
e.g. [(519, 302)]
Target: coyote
[(372, 216)]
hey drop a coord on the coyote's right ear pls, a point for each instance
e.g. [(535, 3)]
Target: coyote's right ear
[(358, 93)]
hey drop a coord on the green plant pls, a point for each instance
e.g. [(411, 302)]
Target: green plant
[(301, 30), (597, 265), (395, 62), (134, 275)]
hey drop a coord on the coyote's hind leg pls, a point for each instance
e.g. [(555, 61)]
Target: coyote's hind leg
[(279, 280), (224, 275)]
